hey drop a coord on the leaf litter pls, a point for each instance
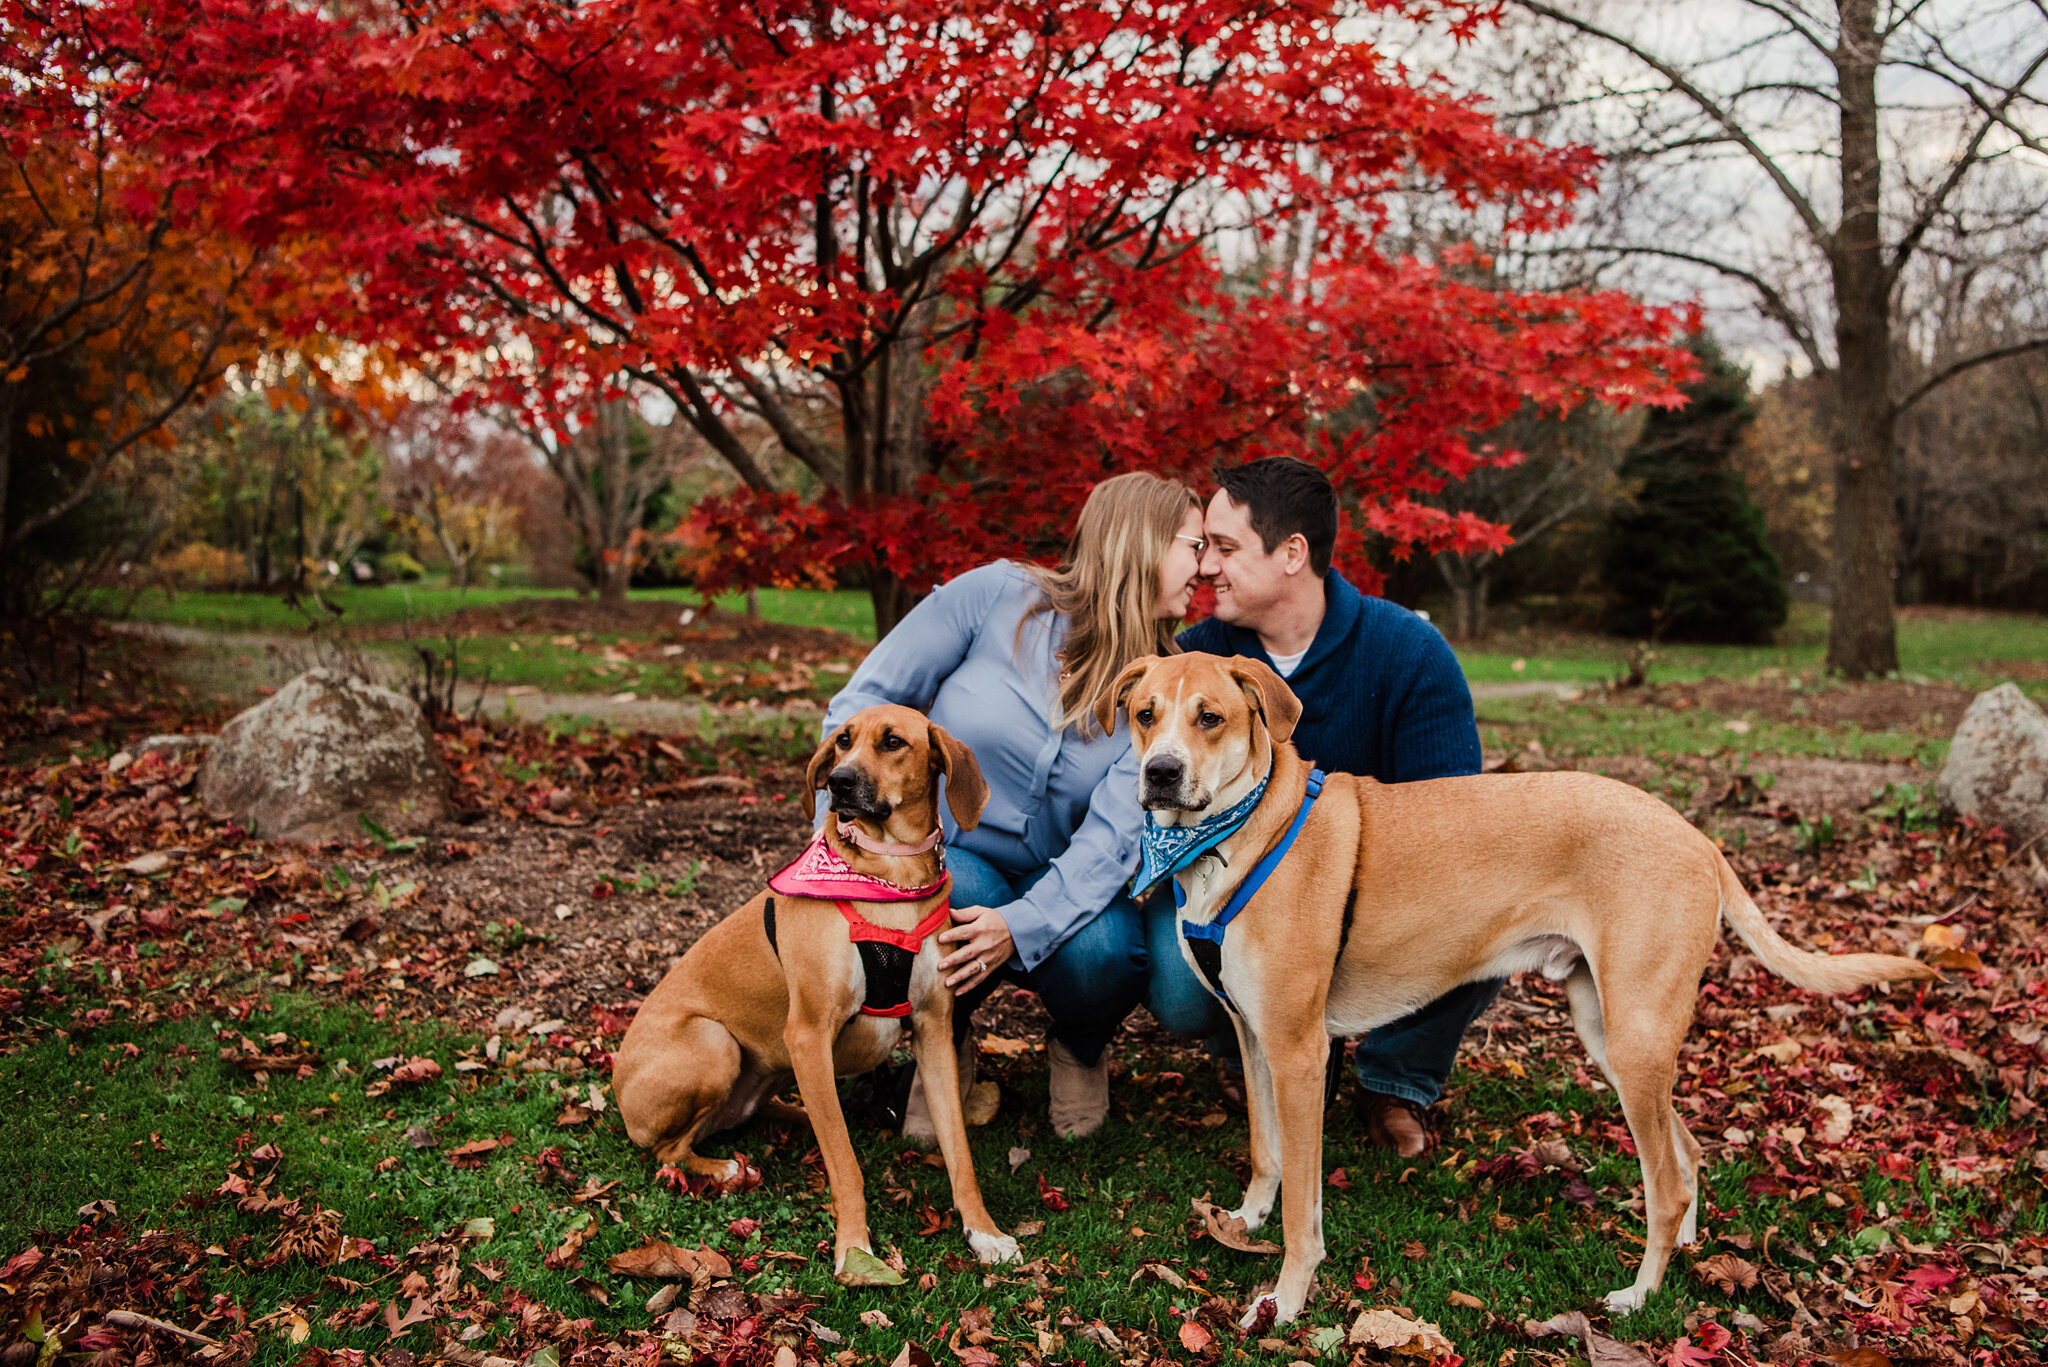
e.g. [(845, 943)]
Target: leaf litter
[(126, 901)]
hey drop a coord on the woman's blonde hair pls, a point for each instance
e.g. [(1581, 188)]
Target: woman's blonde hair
[(1108, 585)]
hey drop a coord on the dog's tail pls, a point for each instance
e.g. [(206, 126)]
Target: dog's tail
[(1814, 972)]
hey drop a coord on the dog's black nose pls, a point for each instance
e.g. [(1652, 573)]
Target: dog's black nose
[(843, 780), (1164, 771)]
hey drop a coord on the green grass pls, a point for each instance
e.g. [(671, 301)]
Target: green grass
[(82, 1114), (1951, 650), (1954, 650), (849, 611), (1579, 729), (536, 661)]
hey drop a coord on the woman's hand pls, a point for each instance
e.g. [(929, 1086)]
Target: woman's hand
[(981, 943)]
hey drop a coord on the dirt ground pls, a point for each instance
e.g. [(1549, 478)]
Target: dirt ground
[(1920, 709)]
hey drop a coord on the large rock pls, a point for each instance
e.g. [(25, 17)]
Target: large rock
[(1997, 768), (328, 748)]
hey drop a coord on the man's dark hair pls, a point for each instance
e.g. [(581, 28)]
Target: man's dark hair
[(1285, 496)]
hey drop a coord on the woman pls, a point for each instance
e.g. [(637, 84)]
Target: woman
[(1010, 659)]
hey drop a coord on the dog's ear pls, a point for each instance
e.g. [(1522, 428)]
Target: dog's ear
[(814, 774), (1113, 697), (966, 789), (1268, 694)]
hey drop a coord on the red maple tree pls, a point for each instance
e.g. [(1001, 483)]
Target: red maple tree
[(960, 259)]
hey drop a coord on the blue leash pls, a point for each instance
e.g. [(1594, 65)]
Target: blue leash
[(1205, 939)]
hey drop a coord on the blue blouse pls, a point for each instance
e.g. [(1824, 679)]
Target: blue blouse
[(1057, 800)]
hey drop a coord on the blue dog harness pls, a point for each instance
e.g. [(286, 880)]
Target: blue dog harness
[(1205, 939)]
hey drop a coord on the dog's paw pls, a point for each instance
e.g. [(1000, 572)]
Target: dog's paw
[(1627, 1299), (1253, 1213), (993, 1248)]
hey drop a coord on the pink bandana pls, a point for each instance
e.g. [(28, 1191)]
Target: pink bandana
[(820, 872)]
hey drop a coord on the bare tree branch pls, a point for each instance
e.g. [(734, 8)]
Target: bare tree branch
[(1968, 363), (1683, 84), (1773, 300), (788, 431)]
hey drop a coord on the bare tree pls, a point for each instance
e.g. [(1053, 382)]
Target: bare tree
[(1784, 146), (439, 465), (609, 470), (1568, 467)]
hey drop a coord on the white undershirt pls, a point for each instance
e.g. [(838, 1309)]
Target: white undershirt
[(1285, 665)]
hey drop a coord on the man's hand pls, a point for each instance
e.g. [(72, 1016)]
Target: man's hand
[(981, 943)]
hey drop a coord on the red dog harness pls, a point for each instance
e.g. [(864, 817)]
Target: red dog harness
[(886, 956)]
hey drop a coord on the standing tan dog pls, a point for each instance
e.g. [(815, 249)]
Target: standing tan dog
[(779, 988), (1392, 895)]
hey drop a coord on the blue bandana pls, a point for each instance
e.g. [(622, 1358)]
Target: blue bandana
[(1169, 849)]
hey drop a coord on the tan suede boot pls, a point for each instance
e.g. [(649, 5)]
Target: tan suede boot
[(917, 1116), (1080, 1096)]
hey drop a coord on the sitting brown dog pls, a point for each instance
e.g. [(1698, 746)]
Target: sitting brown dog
[(817, 977)]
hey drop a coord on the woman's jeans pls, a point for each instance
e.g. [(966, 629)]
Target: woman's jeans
[(1089, 984)]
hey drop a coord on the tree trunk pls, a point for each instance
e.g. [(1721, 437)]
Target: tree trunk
[(614, 575), (1469, 582), (903, 384), (892, 600), (1862, 636)]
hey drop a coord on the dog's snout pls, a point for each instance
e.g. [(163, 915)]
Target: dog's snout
[(1164, 771), (843, 780)]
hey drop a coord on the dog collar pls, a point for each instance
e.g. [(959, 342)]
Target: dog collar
[(853, 835), (1169, 849), (1204, 939), (820, 872)]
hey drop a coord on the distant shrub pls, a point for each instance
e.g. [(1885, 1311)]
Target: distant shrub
[(200, 566), (398, 565), (1686, 558)]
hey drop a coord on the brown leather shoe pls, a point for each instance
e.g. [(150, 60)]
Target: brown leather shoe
[(1230, 1086), (1393, 1122)]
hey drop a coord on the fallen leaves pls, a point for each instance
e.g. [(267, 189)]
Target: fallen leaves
[(472, 1154), (657, 1258), (569, 1252), (862, 1268), (1836, 1118), (1393, 1331), (1727, 1271), (1159, 1272), (1601, 1350), (415, 1069), (1229, 1230)]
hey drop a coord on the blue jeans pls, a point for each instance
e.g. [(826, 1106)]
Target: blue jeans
[(1089, 984), (1410, 1058)]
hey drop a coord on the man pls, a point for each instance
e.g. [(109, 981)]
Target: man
[(1382, 695)]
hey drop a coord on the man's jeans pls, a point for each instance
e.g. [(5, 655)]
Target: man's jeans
[(1089, 984), (1410, 1058), (1131, 954)]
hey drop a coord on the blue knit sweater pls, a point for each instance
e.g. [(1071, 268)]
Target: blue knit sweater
[(1381, 693)]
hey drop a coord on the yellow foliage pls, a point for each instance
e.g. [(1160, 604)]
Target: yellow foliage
[(200, 566)]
